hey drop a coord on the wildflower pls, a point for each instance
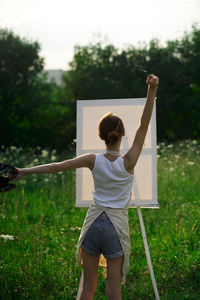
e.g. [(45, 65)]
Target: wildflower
[(46, 250), (194, 142), (170, 146), (36, 161), (190, 163), (53, 157), (7, 237), (44, 153), (171, 169), (53, 152), (13, 148)]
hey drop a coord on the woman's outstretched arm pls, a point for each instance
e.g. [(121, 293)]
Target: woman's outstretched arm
[(131, 157), (86, 160)]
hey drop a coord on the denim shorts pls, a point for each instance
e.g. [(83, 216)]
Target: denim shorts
[(102, 237)]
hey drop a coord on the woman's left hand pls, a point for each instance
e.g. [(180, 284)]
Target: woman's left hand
[(152, 81)]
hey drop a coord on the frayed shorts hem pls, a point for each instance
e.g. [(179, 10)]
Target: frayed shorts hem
[(114, 255)]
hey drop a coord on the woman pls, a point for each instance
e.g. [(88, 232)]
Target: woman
[(105, 230)]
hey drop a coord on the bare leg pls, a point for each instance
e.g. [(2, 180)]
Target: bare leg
[(90, 271), (114, 277)]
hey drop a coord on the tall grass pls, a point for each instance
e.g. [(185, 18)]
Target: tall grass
[(43, 224)]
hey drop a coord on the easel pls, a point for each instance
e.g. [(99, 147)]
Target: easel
[(148, 260), (88, 113)]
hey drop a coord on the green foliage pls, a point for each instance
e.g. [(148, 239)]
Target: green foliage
[(19, 65), (39, 262), (35, 112), (98, 72)]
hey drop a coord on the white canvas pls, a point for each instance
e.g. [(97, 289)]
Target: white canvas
[(89, 113)]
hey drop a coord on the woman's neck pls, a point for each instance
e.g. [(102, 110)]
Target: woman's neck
[(114, 149), (111, 152)]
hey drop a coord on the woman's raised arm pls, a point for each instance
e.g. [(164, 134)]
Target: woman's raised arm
[(131, 157)]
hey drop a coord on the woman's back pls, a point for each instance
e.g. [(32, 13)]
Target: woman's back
[(112, 183)]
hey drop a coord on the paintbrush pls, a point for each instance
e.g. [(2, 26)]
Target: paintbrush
[(144, 71)]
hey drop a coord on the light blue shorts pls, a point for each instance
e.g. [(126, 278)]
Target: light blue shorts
[(102, 237)]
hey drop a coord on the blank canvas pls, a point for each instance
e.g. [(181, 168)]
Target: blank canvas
[(89, 113)]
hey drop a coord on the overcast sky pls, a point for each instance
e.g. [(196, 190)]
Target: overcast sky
[(60, 25)]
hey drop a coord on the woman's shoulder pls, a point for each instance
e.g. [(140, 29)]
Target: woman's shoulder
[(91, 157)]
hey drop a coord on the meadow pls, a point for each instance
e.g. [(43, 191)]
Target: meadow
[(40, 226)]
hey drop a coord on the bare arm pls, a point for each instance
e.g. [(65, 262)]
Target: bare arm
[(82, 161), (131, 157)]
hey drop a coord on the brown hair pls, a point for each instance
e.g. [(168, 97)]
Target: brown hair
[(111, 128)]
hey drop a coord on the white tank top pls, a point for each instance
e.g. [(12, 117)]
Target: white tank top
[(112, 183)]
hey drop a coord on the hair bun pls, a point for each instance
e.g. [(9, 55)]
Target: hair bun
[(113, 137)]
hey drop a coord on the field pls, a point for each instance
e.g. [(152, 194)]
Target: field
[(40, 226)]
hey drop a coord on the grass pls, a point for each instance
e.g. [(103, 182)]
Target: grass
[(40, 214)]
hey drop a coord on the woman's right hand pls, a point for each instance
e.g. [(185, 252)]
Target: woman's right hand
[(18, 176)]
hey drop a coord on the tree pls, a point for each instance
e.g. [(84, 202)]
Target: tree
[(33, 110), (19, 65), (105, 72)]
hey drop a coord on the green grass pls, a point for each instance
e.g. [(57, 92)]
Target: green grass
[(39, 263)]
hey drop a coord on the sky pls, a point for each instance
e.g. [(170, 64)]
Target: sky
[(60, 25)]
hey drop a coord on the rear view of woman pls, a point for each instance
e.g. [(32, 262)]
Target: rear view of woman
[(106, 230)]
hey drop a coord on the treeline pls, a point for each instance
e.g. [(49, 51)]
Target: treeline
[(35, 112)]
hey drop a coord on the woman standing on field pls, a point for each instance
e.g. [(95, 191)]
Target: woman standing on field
[(106, 230)]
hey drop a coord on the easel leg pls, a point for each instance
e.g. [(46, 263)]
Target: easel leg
[(147, 253), (80, 287)]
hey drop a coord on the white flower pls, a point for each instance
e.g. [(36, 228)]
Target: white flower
[(190, 163), (194, 142), (53, 157), (44, 153), (171, 169), (7, 237), (36, 161), (170, 146)]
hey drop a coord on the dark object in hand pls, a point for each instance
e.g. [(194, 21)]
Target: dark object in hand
[(7, 174), (144, 71)]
